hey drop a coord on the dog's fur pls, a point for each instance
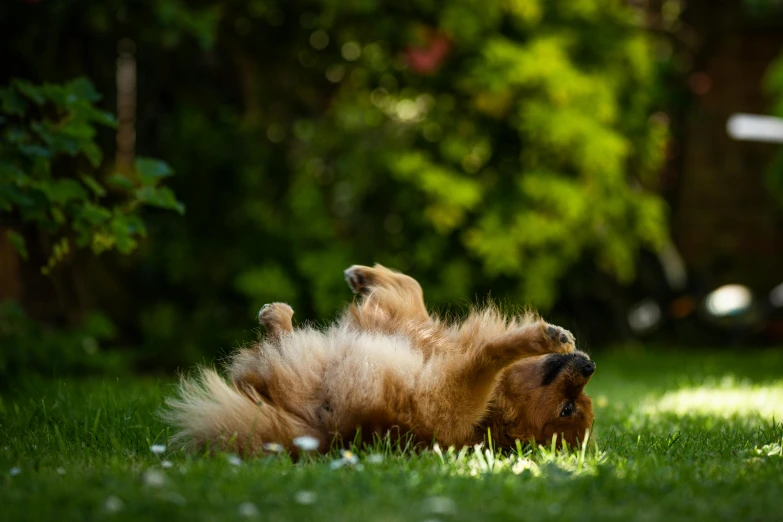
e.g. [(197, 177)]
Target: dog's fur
[(387, 366)]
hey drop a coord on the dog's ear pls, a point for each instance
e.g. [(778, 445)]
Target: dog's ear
[(517, 381)]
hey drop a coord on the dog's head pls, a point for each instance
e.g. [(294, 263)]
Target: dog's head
[(544, 396)]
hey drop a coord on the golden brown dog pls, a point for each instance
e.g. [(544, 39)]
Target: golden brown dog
[(387, 366)]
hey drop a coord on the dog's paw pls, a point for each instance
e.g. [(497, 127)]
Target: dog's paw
[(558, 339), (275, 315), (359, 278)]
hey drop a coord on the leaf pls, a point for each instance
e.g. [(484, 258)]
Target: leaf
[(125, 229), (16, 239), (162, 197), (34, 151), (57, 215), (64, 190), (99, 326), (119, 181), (93, 153), (93, 185), (90, 215), (151, 171), (31, 91), (11, 102), (102, 117), (82, 88), (11, 174), (101, 242), (12, 196)]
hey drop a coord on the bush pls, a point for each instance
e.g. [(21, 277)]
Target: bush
[(478, 145), (30, 349), (52, 191), (39, 124)]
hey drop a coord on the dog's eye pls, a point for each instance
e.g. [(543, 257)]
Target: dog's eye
[(567, 410)]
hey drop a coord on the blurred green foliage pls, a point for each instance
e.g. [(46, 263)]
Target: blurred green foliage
[(477, 145), (39, 124), (511, 155), (64, 203), (29, 348)]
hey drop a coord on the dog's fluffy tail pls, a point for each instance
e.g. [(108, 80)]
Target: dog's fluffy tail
[(208, 413)]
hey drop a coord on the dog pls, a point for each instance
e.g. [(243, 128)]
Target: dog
[(388, 367)]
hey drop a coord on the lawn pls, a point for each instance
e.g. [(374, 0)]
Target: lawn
[(678, 436)]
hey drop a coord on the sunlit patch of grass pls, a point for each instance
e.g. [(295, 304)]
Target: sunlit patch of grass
[(725, 399), (527, 460)]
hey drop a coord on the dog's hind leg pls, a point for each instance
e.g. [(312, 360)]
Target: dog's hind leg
[(362, 279), (387, 294), (276, 318), (243, 369)]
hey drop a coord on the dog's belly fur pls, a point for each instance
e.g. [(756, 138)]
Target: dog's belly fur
[(339, 380)]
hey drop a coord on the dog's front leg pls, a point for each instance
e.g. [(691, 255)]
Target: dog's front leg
[(483, 363), (539, 338), (455, 388)]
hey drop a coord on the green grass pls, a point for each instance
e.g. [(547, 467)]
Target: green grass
[(678, 436)]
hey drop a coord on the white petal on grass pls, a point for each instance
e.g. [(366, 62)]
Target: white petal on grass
[(375, 458), (306, 443), (154, 478), (234, 460), (349, 457), (166, 464), (305, 498), (248, 509), (769, 450), (14, 471), (274, 447), (158, 449), (440, 505), (113, 504), (60, 470)]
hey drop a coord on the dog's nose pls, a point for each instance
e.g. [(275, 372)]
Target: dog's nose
[(588, 367)]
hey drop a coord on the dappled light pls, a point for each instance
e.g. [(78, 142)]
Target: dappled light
[(724, 398), (529, 460)]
